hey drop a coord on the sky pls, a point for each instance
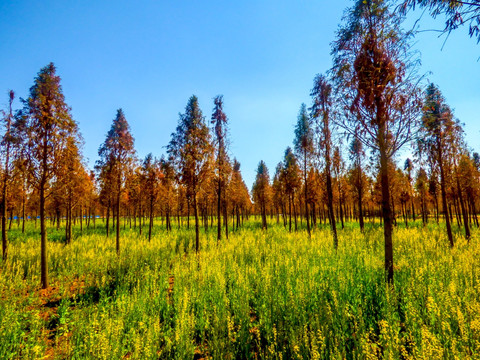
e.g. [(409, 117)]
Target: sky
[(149, 57)]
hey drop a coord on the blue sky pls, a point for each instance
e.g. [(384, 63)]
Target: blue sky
[(149, 57)]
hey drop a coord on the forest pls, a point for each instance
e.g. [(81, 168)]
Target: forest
[(361, 243)]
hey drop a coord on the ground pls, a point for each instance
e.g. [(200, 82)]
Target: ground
[(260, 294)]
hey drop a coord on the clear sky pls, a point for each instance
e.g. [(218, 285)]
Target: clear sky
[(149, 57)]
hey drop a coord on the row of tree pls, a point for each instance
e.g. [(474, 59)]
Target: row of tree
[(372, 94), (44, 174)]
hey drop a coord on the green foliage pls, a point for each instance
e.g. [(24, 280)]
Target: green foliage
[(260, 295)]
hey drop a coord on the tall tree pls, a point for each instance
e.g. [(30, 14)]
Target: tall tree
[(7, 141), (304, 149), (321, 112), (261, 191), (357, 156), (409, 168), (151, 186), (190, 150), (239, 195), (219, 120), (117, 155), (291, 182), (69, 186), (375, 76), (421, 185), (437, 142), (48, 126), (168, 182)]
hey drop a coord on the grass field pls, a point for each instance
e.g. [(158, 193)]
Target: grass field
[(265, 295)]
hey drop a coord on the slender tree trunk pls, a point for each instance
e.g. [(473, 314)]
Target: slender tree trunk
[(43, 238), (464, 210), (331, 213), (386, 206), (290, 213), (219, 200), (23, 213), (295, 213), (197, 230), (307, 215), (108, 218), (444, 197), (43, 229), (150, 224), (118, 215), (360, 208), (225, 212)]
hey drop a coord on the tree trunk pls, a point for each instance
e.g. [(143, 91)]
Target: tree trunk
[(386, 206), (289, 213), (219, 221), (464, 211), (444, 196), (225, 213), (23, 214), (118, 216), (331, 213), (197, 230), (360, 207)]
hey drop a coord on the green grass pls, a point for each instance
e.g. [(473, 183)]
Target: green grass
[(272, 295)]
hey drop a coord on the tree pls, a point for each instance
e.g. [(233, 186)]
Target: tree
[(116, 156), (440, 136), (150, 181), (291, 183), (357, 156), (71, 179), (167, 180), (321, 111), (48, 125), (304, 149), (190, 151), (239, 195), (7, 141), (376, 81), (421, 185), (261, 191), (219, 120), (457, 13), (409, 168)]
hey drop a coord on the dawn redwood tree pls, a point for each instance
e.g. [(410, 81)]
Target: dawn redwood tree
[(190, 151), (357, 156), (375, 76), (219, 120), (438, 139), (150, 181), (421, 185), (70, 181), (117, 154), (261, 191), (168, 184), (408, 167), (304, 149), (7, 141), (278, 193), (321, 112), (291, 181), (48, 125), (338, 166), (239, 195)]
